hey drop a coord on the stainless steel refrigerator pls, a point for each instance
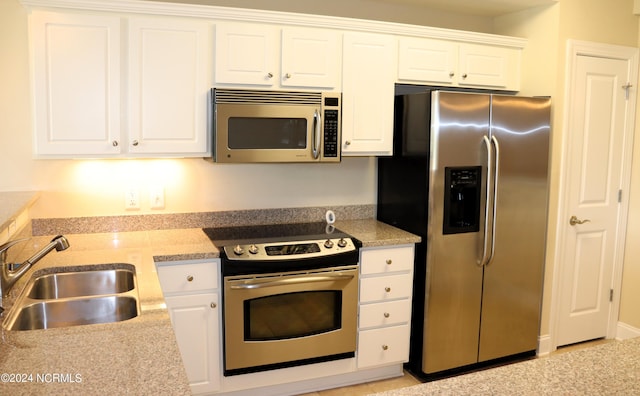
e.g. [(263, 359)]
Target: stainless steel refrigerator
[(469, 175)]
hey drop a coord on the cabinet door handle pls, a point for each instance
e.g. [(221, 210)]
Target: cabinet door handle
[(387, 289), (386, 314), (190, 278), (213, 305), (385, 347), (389, 261), (451, 74), (135, 143), (464, 75), (288, 75), (114, 143), (269, 75)]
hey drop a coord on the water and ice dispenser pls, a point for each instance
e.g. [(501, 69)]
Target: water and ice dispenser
[(462, 199)]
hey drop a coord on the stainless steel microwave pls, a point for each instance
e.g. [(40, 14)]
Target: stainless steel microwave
[(276, 126)]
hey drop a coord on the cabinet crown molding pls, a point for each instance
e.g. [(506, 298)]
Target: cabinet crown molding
[(216, 13)]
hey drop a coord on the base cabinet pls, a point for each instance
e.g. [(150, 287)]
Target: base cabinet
[(385, 305), (193, 301)]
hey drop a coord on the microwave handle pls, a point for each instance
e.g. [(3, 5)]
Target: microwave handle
[(317, 122)]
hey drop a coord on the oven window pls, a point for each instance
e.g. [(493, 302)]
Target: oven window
[(267, 133), (292, 315)]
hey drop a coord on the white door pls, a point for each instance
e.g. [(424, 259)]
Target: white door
[(598, 128), (169, 80), (368, 77), (76, 83), (310, 58)]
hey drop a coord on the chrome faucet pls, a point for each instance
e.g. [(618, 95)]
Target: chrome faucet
[(10, 273)]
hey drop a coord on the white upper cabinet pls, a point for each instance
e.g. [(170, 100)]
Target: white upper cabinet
[(448, 63), (169, 79), (274, 57), (76, 83), (87, 81), (369, 75), (246, 54)]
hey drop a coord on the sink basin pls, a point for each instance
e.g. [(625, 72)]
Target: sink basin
[(81, 283), (86, 295), (74, 312)]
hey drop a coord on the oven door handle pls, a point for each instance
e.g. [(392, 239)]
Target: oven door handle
[(291, 281)]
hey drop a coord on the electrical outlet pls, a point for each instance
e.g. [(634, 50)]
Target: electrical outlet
[(156, 197), (132, 199)]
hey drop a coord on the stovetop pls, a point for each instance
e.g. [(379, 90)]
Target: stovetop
[(282, 247), (226, 236)]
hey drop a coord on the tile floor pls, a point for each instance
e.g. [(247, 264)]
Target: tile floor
[(408, 380)]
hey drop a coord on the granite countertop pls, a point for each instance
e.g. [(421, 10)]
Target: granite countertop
[(139, 355)]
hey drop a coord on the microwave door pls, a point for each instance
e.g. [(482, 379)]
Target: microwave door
[(267, 133)]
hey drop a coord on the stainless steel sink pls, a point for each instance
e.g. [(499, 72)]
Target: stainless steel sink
[(93, 294), (83, 283), (74, 312)]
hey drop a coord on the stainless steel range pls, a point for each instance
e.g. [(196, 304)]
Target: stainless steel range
[(290, 295)]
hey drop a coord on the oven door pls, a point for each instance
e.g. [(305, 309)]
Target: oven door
[(267, 133), (279, 320)]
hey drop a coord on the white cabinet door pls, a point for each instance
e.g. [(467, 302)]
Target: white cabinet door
[(482, 65), (246, 54), (268, 56), (368, 75), (169, 80), (310, 58), (76, 85), (449, 63), (195, 322), (427, 60)]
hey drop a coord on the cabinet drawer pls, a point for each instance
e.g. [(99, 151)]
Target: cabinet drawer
[(188, 277), (385, 287), (378, 347), (386, 313), (380, 261)]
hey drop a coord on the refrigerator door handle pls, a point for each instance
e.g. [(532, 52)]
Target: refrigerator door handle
[(496, 169), (486, 253)]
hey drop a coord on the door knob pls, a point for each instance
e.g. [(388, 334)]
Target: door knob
[(574, 220)]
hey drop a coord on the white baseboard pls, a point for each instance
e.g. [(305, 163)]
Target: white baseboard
[(544, 345), (625, 331)]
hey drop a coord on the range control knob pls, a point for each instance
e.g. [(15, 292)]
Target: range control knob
[(253, 249), (328, 243), (342, 242), (238, 250)]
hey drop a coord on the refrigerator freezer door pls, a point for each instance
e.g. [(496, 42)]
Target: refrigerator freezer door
[(454, 279), (513, 278)]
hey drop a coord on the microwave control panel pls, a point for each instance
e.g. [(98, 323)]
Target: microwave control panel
[(331, 132)]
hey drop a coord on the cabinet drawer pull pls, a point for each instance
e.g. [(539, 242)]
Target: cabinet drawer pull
[(389, 261), (213, 305), (387, 289), (190, 278), (386, 314), (385, 347)]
